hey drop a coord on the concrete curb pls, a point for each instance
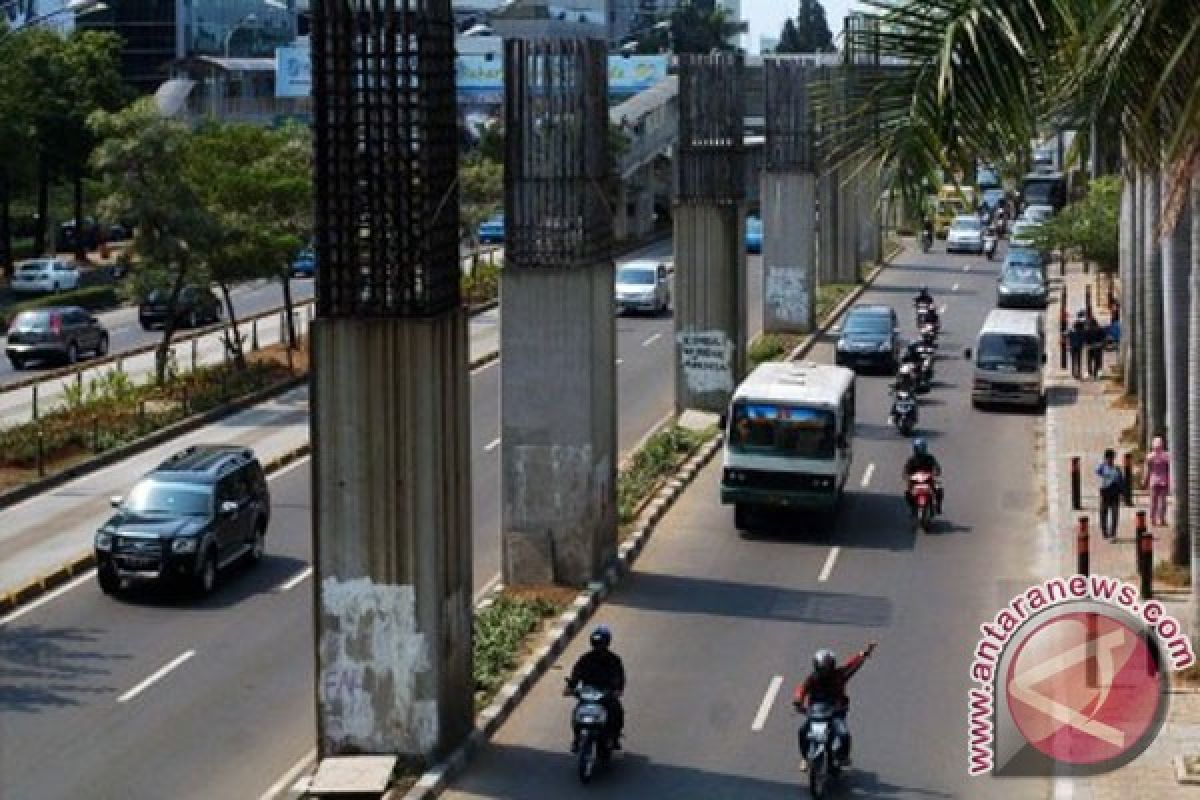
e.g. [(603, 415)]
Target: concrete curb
[(435, 780), (31, 591)]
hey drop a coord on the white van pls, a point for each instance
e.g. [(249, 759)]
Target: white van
[(1010, 359), (788, 438)]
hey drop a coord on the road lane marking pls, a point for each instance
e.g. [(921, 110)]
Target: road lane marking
[(967, 268), (867, 473), (290, 776), (46, 598), (764, 709), (652, 339), (492, 445), (942, 310), (487, 588), (829, 562), (954, 288), (491, 363), (299, 462), (157, 676), (620, 361), (295, 580)]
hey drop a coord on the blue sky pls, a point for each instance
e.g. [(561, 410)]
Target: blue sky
[(766, 17)]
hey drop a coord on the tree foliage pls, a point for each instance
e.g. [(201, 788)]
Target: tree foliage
[(808, 32), (1088, 225), (695, 26)]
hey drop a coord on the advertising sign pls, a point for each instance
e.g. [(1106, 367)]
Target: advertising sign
[(293, 72)]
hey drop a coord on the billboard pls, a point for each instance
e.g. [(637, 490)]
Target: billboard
[(293, 72)]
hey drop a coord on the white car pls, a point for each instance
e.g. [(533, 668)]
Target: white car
[(643, 286), (44, 275), (1022, 234), (1037, 213), (965, 235)]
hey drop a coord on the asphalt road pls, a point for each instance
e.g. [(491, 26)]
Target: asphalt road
[(231, 708), (126, 334), (711, 618)]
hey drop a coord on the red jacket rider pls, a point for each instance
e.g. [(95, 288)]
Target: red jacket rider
[(828, 681)]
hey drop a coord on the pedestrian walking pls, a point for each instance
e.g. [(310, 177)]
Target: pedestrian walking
[(1112, 481), (1075, 340), (1157, 477), (1094, 338)]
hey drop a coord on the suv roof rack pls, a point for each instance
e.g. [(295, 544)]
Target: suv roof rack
[(208, 458)]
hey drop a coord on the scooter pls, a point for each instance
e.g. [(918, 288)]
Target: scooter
[(823, 749), (904, 411), (920, 486), (925, 315), (589, 722)]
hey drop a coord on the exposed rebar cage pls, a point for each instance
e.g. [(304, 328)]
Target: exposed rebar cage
[(863, 66), (711, 162), (557, 170), (386, 140), (790, 136)]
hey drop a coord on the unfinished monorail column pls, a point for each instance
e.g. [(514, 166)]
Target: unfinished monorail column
[(789, 188), (827, 229), (390, 427), (558, 340), (846, 217), (710, 251), (862, 57)]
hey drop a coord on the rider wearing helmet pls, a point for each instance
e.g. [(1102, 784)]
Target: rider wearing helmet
[(827, 684), (923, 296), (601, 668), (922, 461)]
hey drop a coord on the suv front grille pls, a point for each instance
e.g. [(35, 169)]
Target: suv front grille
[(137, 553)]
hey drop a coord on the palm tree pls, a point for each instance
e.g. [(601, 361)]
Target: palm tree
[(1154, 416), (1177, 245)]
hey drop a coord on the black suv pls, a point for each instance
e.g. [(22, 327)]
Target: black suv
[(197, 512), (868, 338), (195, 306)]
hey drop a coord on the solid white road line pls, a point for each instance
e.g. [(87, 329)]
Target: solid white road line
[(764, 710), (652, 340), (867, 473), (49, 596), (829, 562), (492, 445), (487, 588), (295, 580), (290, 776), (157, 676), (279, 473)]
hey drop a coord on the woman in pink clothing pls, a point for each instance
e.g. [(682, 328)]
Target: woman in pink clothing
[(1158, 479)]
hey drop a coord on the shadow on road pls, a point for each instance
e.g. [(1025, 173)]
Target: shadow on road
[(236, 584), (51, 667)]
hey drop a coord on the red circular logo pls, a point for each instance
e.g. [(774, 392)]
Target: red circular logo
[(1084, 688)]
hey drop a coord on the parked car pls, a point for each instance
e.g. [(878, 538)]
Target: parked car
[(195, 306), (754, 234), (1022, 281), (869, 338), (44, 275), (61, 333), (643, 286), (491, 231), (965, 235), (304, 265), (199, 511)]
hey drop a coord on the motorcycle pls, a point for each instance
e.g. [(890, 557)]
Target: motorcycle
[(929, 334), (927, 352), (906, 378), (989, 245), (823, 750), (926, 315), (921, 488), (589, 722), (904, 411)]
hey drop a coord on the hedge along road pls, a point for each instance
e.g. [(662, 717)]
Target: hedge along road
[(228, 720)]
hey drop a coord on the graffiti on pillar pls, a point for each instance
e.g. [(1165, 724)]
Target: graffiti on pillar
[(788, 295), (372, 656), (707, 360)]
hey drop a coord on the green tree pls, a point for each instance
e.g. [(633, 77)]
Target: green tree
[(808, 33), (481, 192), (1089, 225), (695, 26), (16, 132)]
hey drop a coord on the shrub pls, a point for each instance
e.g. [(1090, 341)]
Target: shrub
[(498, 633)]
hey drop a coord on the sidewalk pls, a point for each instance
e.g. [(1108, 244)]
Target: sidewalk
[(1083, 417)]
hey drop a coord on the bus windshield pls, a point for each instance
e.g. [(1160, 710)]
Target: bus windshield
[(784, 431), (1008, 353), (1044, 191)]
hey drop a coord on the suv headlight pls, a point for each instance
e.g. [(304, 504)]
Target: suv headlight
[(104, 540), (186, 544)]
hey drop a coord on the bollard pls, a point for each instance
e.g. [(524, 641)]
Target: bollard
[(141, 423), (1062, 353), (1082, 559), (1076, 484), (79, 382), (1063, 319), (1145, 556), (1127, 480), (35, 402), (185, 399), (1062, 263), (1087, 299), (41, 455), (254, 334), (193, 354), (283, 329)]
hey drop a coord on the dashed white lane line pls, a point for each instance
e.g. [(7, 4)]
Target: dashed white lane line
[(967, 268), (867, 473), (954, 288), (492, 445), (157, 676), (290, 776), (942, 310), (829, 562), (620, 361), (651, 340), (295, 580), (764, 708)]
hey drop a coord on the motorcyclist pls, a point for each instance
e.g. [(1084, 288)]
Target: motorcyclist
[(924, 297), (912, 355), (601, 668), (927, 229), (922, 461), (827, 684)]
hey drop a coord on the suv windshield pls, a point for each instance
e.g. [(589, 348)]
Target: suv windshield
[(868, 323), (151, 497), (966, 225), (35, 266), (1022, 273), (787, 431), (1008, 352), (639, 276)]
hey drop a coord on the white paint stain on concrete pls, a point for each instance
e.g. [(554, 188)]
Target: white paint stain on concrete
[(788, 294), (707, 360), (372, 657)]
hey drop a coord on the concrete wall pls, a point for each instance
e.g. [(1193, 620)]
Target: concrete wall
[(789, 251)]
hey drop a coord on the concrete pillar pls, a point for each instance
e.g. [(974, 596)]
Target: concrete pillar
[(789, 251), (847, 198), (623, 225), (558, 341), (558, 423), (827, 224), (391, 502)]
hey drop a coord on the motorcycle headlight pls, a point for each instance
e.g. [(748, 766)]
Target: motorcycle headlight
[(104, 540), (186, 544)]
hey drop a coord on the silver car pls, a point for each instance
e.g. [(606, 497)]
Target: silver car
[(965, 235), (643, 286)]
